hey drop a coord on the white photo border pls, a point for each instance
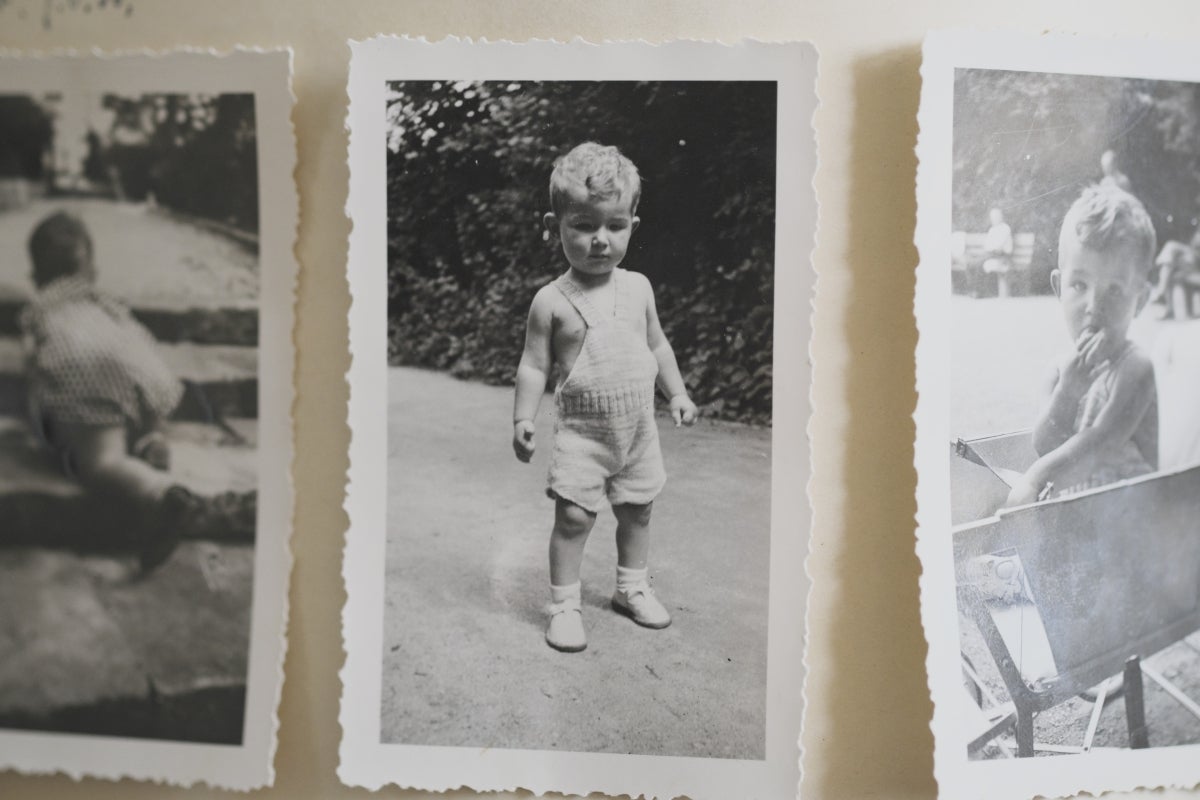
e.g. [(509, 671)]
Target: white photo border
[(365, 761), (944, 52), (266, 74)]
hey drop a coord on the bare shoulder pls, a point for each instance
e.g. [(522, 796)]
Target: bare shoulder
[(545, 301), (1137, 369), (640, 287)]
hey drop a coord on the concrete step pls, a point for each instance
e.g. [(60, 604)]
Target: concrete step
[(143, 255), (86, 647), (185, 281), (227, 375), (40, 506), (228, 326)]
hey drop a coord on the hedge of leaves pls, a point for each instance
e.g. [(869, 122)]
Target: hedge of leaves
[(197, 154), (1029, 142), (468, 172)]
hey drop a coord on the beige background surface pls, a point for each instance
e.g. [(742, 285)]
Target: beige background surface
[(867, 731)]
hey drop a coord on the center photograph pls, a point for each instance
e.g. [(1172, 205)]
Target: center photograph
[(580, 280)]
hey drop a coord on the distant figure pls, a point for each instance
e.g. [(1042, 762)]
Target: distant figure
[(598, 324), (1100, 423), (99, 393), (998, 249), (1176, 263), (1112, 173)]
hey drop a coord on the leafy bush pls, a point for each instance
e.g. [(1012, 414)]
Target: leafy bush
[(468, 176), (195, 153), (1028, 143)]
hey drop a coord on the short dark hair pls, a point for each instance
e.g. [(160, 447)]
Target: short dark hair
[(52, 247)]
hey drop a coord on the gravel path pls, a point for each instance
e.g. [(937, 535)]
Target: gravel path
[(464, 660)]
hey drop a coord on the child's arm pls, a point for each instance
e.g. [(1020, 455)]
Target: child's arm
[(1070, 383), (532, 373), (1084, 452), (670, 380)]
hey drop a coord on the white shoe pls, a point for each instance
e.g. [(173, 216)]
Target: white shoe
[(639, 604), (565, 629)]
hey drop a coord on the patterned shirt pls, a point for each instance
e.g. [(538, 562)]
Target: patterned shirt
[(91, 363)]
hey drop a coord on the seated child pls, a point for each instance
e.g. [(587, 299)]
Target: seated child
[(1100, 423), (598, 325), (99, 393)]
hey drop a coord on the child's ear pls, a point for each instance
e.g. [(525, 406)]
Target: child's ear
[(1056, 282), (550, 220)]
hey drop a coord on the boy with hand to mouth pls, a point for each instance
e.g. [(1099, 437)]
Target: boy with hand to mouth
[(597, 323), (1100, 424)]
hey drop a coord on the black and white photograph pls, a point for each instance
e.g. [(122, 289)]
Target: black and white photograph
[(136, 518), (1062, 297), (590, 541)]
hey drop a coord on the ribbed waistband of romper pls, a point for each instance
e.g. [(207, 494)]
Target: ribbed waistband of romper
[(613, 401)]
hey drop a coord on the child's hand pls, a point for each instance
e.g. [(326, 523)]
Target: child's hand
[(1089, 359), (1024, 492), (683, 410), (523, 444)]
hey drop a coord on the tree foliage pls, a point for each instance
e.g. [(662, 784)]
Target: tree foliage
[(26, 134), (468, 176), (195, 153), (1029, 142)]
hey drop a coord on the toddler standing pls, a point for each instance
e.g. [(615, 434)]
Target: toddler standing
[(597, 323)]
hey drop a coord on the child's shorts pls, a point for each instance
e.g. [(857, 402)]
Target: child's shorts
[(601, 456)]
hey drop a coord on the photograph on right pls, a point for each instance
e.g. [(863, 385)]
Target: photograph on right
[(1075, 387), (1070, 296)]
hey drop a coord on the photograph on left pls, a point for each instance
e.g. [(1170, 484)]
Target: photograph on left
[(147, 214)]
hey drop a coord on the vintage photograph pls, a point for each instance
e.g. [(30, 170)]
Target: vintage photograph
[(580, 405), (131, 341), (1073, 343)]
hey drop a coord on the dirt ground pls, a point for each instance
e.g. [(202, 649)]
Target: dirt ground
[(1002, 393), (464, 660)]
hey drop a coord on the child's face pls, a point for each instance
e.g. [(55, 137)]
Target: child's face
[(594, 232), (1099, 290)]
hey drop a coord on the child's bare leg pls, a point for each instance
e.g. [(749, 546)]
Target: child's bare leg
[(633, 534), (571, 527), (104, 466), (101, 463), (634, 597)]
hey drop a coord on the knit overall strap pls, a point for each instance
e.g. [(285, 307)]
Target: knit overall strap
[(591, 315)]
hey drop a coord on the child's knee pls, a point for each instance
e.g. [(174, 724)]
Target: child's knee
[(571, 520)]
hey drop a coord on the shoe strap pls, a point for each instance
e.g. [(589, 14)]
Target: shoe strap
[(642, 588), (570, 604)]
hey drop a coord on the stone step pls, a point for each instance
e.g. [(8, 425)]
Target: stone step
[(87, 647), (144, 256), (228, 326), (227, 377), (40, 506), (185, 281)]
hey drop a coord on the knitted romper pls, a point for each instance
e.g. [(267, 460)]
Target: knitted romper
[(605, 436)]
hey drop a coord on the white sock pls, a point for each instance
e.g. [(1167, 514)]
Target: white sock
[(560, 594), (628, 577)]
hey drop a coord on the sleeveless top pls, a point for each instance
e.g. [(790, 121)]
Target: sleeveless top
[(615, 370), (1129, 461)]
